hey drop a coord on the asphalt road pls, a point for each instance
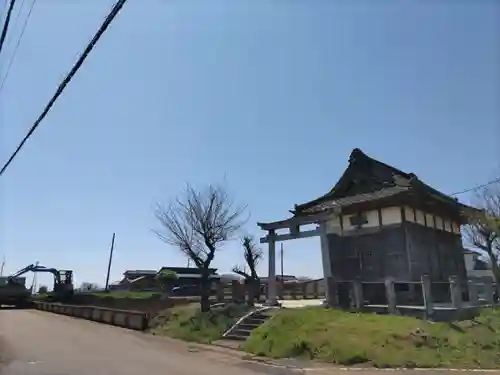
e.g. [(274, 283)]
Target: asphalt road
[(39, 343), (35, 342)]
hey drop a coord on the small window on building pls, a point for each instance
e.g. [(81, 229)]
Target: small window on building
[(358, 220)]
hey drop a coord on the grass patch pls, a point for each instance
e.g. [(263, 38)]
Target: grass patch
[(188, 323), (379, 340)]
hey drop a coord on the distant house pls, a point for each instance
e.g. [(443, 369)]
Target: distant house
[(228, 278), (475, 266), (145, 280), (189, 276), (285, 278)]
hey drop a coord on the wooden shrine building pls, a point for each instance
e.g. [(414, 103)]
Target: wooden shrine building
[(378, 222)]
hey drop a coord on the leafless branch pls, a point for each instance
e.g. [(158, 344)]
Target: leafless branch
[(483, 229), (199, 222), (239, 271), (252, 255)]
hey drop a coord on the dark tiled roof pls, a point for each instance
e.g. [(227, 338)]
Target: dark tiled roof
[(367, 179)]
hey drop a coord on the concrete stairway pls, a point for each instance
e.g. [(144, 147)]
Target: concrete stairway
[(244, 327)]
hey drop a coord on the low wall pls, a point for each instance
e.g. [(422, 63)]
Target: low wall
[(148, 305), (136, 320)]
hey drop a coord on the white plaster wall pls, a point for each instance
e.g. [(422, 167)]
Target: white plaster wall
[(346, 222), (439, 223), (447, 225), (333, 225), (429, 218), (420, 217), (409, 215), (372, 218), (391, 215)]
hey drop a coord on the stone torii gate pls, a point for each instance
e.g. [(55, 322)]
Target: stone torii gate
[(294, 225)]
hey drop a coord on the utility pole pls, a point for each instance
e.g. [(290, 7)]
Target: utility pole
[(282, 280), (35, 279), (3, 265), (106, 288)]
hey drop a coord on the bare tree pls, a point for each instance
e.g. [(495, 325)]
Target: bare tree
[(252, 254), (198, 223), (483, 230)]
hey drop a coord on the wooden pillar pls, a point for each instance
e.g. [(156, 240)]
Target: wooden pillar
[(315, 289), (325, 258), (427, 292), (357, 287), (304, 291), (271, 282), (293, 290), (220, 291), (390, 294), (473, 295), (455, 292), (427, 295), (489, 291), (332, 286), (236, 289)]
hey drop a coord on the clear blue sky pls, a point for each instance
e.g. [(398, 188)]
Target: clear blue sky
[(271, 95)]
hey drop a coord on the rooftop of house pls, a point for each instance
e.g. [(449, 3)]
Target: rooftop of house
[(367, 179), (183, 271), (469, 251), (481, 265), (279, 277), (138, 273)]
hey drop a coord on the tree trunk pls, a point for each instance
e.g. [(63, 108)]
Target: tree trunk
[(205, 293)]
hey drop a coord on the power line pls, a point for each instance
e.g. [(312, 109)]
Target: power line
[(4, 79), (116, 8), (6, 24), (477, 187), (19, 13)]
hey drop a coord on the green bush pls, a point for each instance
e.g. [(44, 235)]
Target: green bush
[(379, 340)]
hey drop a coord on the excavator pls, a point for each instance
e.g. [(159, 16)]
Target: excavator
[(15, 293)]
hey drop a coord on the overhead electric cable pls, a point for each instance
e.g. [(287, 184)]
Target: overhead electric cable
[(477, 187), (7, 70), (6, 23), (114, 11)]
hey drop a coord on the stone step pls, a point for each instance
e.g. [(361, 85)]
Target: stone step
[(235, 337), (253, 321), (248, 326), (242, 332), (259, 317)]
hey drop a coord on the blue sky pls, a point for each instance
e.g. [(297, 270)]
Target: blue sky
[(270, 95)]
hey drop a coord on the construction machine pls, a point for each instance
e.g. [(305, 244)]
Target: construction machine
[(14, 291)]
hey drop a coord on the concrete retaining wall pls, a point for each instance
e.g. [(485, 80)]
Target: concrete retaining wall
[(136, 320), (148, 305)]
